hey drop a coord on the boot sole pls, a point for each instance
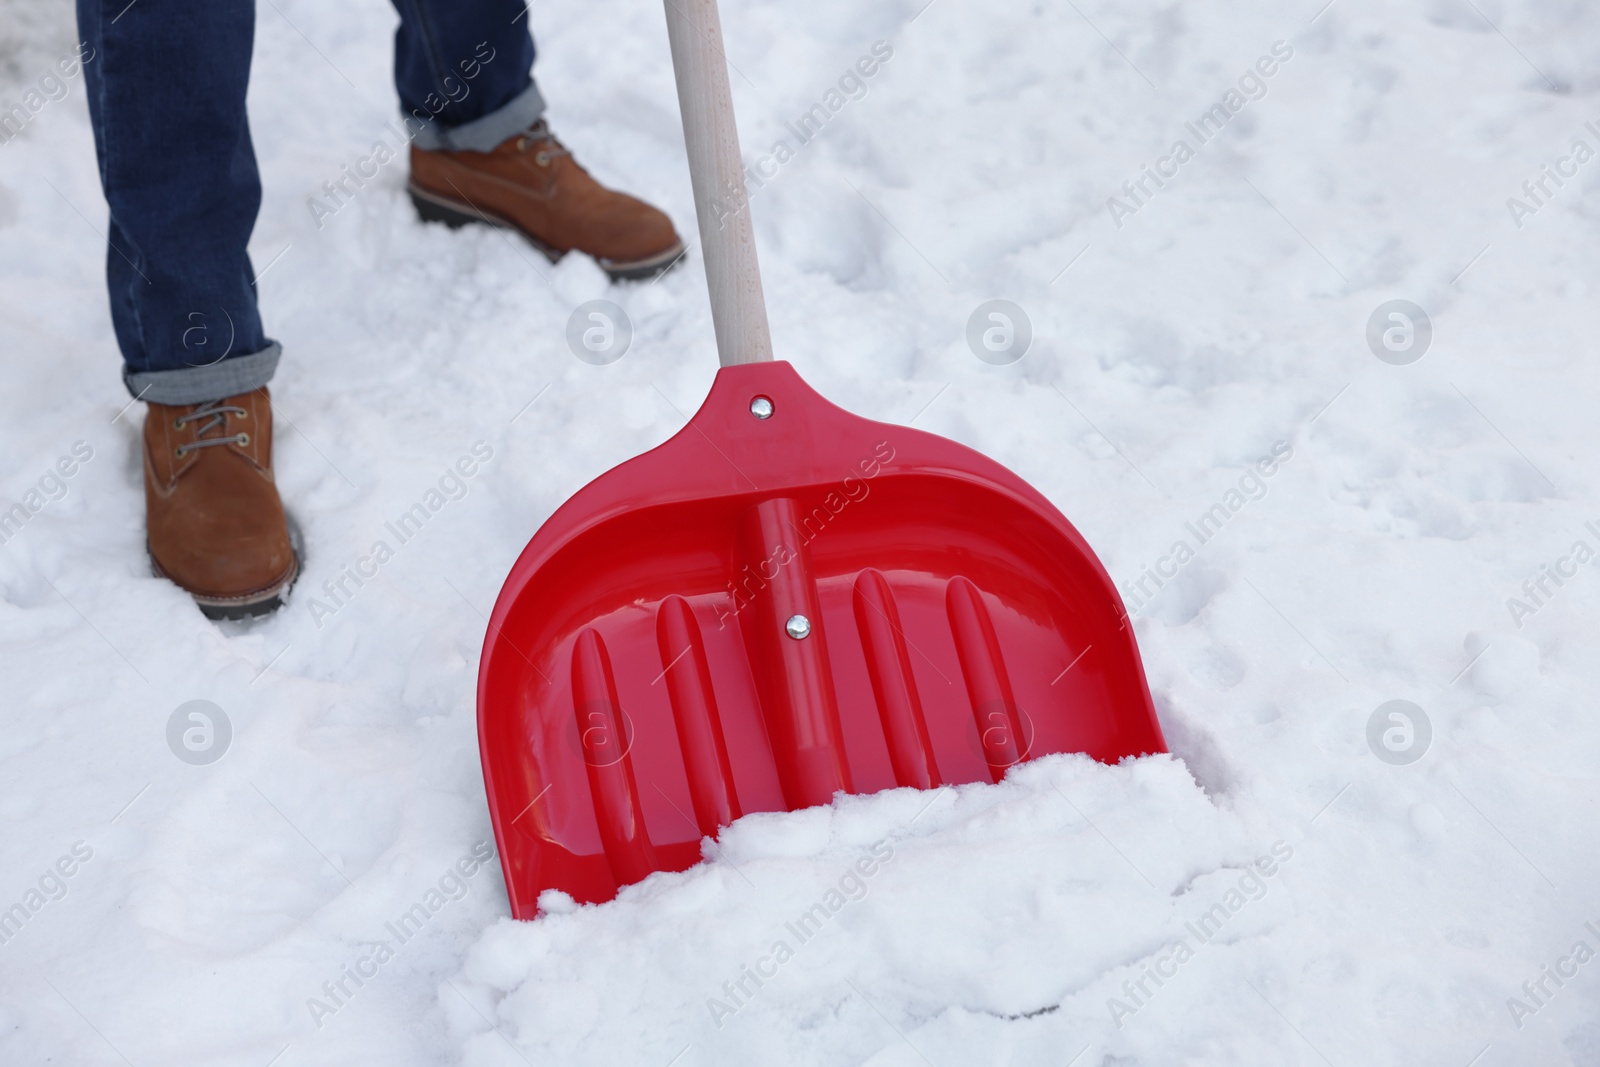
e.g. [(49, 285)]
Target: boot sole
[(431, 207), (249, 605)]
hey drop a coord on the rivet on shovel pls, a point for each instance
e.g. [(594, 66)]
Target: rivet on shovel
[(798, 627), (761, 408)]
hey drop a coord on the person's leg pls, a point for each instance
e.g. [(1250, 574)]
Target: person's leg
[(481, 151), (463, 72), (166, 92), (166, 86)]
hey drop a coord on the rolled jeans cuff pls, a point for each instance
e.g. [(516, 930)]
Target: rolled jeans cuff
[(481, 134), (197, 385)]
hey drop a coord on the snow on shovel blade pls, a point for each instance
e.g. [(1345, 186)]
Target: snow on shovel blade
[(783, 602)]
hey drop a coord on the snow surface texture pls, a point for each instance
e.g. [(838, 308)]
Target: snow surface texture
[(1406, 905)]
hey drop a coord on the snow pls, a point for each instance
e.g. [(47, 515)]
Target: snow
[(1410, 907)]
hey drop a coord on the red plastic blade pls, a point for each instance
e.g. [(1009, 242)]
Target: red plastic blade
[(647, 677)]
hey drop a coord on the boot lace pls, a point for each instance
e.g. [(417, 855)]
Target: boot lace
[(549, 148), (217, 413)]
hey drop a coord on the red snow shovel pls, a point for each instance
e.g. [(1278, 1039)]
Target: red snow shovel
[(781, 603)]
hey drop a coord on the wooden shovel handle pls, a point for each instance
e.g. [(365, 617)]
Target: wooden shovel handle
[(716, 169)]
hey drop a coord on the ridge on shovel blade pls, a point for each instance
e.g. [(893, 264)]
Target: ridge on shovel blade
[(765, 611)]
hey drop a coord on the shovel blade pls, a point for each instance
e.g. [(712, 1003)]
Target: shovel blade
[(763, 612)]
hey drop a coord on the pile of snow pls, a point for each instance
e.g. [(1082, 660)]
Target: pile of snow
[(320, 894), (972, 925)]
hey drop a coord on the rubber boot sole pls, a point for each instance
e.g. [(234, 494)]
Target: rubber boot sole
[(431, 207)]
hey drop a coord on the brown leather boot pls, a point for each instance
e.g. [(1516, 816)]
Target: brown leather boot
[(532, 184), (215, 524)]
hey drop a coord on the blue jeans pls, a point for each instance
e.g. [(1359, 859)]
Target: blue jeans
[(167, 101)]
